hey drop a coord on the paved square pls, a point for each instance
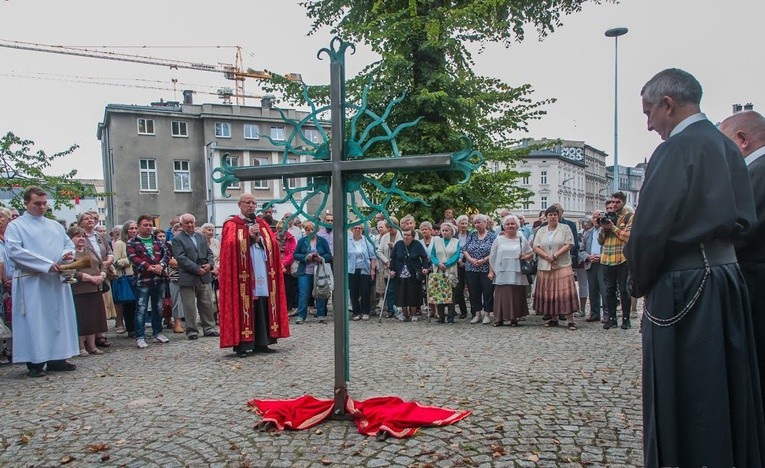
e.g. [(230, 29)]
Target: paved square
[(540, 397)]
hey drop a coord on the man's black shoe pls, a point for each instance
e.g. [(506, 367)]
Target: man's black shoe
[(609, 325), (193, 337), (212, 333), (592, 318), (626, 325), (264, 349), (36, 373), (60, 366)]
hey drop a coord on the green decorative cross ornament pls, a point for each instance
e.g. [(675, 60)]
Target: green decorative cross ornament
[(343, 172)]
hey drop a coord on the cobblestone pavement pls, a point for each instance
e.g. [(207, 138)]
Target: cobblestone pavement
[(540, 397)]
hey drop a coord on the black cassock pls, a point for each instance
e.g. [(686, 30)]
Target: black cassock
[(750, 250), (701, 390)]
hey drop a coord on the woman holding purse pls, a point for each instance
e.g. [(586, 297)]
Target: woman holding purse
[(444, 257), (510, 284), (125, 308), (311, 250), (88, 294)]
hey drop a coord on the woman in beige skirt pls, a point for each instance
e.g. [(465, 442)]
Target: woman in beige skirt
[(555, 291)]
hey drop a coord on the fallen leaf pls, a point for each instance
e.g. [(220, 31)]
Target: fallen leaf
[(66, 459), (533, 457), (98, 447), (318, 432), (326, 461), (233, 446), (25, 439), (105, 457), (499, 428), (497, 450)]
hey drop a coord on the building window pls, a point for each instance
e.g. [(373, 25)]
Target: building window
[(277, 133), (145, 127), (251, 132), (222, 130), (526, 180), (179, 129), (312, 135), (181, 176), (292, 182), (543, 178), (260, 184), (543, 199), (526, 205), (232, 161), (148, 174)]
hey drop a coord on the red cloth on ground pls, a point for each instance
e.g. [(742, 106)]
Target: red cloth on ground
[(235, 279), (299, 413), (393, 415), (397, 417)]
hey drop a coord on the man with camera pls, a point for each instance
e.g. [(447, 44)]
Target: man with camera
[(595, 282), (615, 226)]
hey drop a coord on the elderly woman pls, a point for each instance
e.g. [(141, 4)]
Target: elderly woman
[(444, 257), (310, 251), (287, 244), (6, 274), (426, 229), (555, 291), (88, 292), (476, 252), (100, 246), (463, 225), (124, 267), (407, 259), (384, 249), (208, 230), (362, 270), (507, 251)]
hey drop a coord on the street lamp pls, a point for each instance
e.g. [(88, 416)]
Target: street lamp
[(615, 33)]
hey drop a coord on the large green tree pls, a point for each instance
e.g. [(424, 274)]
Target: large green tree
[(423, 45), (21, 166)]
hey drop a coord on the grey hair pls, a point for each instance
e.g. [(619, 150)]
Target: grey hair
[(675, 83), (125, 227), (426, 224), (207, 225), (451, 227), (187, 216), (480, 217), (513, 217), (462, 218), (5, 212)]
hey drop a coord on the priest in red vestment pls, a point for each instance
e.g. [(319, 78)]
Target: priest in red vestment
[(253, 307)]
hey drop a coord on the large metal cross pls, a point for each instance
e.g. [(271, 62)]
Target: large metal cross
[(337, 169)]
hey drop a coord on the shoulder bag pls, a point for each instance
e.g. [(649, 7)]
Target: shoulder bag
[(528, 267), (122, 290)]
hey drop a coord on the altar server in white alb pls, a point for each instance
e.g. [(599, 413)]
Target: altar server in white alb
[(44, 319)]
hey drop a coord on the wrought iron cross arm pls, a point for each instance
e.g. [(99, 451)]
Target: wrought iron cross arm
[(354, 166)]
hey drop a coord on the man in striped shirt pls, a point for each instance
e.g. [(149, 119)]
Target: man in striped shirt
[(613, 237)]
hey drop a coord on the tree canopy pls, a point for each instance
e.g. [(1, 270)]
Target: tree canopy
[(21, 167), (423, 50)]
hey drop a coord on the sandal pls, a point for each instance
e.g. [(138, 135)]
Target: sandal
[(103, 342), (514, 323), (95, 351), (497, 324), (572, 326), (551, 323)]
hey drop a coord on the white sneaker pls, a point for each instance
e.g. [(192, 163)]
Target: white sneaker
[(160, 338), (140, 343), (365, 317), (477, 317), (486, 319)]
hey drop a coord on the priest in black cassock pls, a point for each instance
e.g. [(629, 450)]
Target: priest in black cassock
[(701, 387), (747, 130)]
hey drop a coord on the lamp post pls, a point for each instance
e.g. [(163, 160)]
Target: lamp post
[(615, 33)]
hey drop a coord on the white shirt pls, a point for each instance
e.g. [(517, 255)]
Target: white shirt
[(259, 271), (754, 156), (686, 122)]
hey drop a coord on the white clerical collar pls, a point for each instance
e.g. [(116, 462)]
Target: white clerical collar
[(754, 156), (687, 122)]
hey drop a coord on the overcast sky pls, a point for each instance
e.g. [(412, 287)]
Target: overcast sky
[(716, 41)]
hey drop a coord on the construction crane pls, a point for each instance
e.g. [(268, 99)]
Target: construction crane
[(232, 72)]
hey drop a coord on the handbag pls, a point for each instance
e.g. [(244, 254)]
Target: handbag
[(453, 280), (323, 282), (528, 267), (104, 286), (439, 289), (294, 268), (122, 290)]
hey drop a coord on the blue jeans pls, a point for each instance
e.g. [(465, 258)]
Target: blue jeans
[(305, 289), (144, 293)]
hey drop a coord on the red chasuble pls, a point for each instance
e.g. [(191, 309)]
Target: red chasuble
[(235, 278)]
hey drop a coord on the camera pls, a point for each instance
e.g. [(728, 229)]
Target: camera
[(608, 216)]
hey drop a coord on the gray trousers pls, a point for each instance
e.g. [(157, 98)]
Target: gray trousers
[(197, 298), (175, 296)]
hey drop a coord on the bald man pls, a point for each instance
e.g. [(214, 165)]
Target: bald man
[(747, 130)]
